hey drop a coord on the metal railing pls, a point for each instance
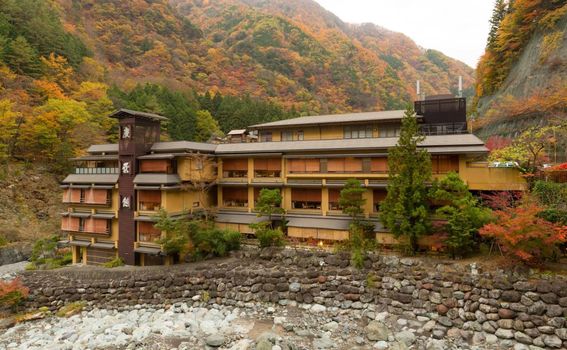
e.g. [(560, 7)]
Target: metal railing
[(97, 171), (443, 129)]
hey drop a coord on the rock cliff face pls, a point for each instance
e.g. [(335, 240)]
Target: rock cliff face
[(535, 90)]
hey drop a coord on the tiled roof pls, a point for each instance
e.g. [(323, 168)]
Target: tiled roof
[(105, 148), (91, 178), (450, 141), (124, 111), (334, 119), (157, 179), (183, 146)]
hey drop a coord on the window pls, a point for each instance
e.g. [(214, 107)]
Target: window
[(82, 195), (304, 166), (235, 196), (196, 204), (81, 225), (379, 165), (267, 167), (378, 197), (442, 164), (149, 200), (344, 165), (300, 135), (156, 166), (287, 135), (265, 136), (148, 233), (306, 198), (389, 130), (334, 195), (358, 132), (235, 167)]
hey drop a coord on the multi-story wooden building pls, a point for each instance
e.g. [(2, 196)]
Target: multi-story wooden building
[(117, 190)]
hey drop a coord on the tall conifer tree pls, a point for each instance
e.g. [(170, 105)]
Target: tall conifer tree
[(405, 210)]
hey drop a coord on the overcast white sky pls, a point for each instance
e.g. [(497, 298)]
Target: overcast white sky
[(458, 28)]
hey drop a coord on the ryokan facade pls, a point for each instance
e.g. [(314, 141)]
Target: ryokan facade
[(117, 190)]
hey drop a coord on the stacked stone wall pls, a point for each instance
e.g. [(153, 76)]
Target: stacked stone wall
[(511, 304)]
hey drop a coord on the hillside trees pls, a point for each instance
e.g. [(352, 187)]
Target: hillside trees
[(510, 31)]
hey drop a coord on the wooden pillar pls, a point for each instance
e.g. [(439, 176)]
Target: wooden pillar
[(250, 198), (324, 200)]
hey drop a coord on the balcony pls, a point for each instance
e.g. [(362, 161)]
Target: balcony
[(87, 226), (91, 171), (443, 129), (87, 196)]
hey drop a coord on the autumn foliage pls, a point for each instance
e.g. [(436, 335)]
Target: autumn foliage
[(12, 293), (523, 235)]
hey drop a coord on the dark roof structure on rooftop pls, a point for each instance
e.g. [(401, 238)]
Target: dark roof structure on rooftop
[(125, 112)]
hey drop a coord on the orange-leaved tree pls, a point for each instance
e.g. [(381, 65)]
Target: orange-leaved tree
[(12, 293), (523, 235)]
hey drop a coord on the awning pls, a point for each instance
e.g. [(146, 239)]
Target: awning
[(91, 179), (80, 186), (266, 184), (142, 187), (244, 218), (156, 179), (80, 243), (102, 245), (161, 156), (304, 183), (331, 223), (148, 250), (103, 216), (80, 215), (103, 187), (96, 157), (146, 218)]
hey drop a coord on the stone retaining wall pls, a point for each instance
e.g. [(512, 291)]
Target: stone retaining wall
[(510, 304)]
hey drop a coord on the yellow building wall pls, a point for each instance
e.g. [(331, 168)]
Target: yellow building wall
[(188, 168), (315, 233), (478, 176), (333, 132)]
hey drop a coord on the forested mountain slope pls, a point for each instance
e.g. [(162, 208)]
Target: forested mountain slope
[(298, 52), (522, 77)]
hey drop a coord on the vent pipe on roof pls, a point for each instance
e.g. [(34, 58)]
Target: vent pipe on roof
[(417, 88), (460, 86)]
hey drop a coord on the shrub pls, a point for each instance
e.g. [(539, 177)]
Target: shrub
[(523, 235), (46, 255), (551, 194), (555, 216), (12, 293), (71, 309), (270, 238), (114, 263), (357, 245), (232, 239)]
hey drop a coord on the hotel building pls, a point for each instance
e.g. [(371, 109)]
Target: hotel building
[(117, 190)]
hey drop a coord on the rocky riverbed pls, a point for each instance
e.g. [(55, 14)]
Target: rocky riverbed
[(197, 325)]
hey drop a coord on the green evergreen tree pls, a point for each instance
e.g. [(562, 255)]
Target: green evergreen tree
[(22, 58), (405, 210), (500, 10), (351, 200), (464, 215), (206, 127), (269, 203)]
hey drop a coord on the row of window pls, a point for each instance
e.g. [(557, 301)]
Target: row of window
[(238, 168), (349, 132), (237, 197)]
